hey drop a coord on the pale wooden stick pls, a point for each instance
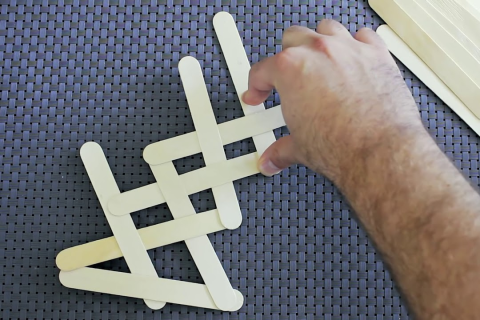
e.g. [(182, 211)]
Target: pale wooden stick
[(200, 248), (454, 49), (463, 15), (209, 138), (123, 228), (472, 5), (239, 68), (143, 287), (451, 22), (155, 236), (193, 181), (417, 29), (427, 76), (464, 12), (231, 131)]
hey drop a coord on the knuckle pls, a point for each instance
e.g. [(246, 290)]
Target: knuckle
[(321, 44), (287, 59), (292, 35)]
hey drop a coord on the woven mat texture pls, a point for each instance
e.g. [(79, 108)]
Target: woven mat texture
[(106, 71)]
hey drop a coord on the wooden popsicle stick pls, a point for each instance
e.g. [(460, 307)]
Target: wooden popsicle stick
[(209, 138), (427, 76), (202, 114), (155, 236), (469, 40), (123, 228), (406, 25), (239, 68), (143, 287), (463, 15), (449, 44), (194, 181), (231, 131), (200, 248), (471, 5), (136, 199)]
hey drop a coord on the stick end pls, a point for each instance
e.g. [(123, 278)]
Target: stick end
[(222, 17)]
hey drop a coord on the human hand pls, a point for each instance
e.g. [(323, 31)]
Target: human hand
[(342, 98)]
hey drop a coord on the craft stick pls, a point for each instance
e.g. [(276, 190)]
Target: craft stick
[(209, 138), (472, 5), (194, 181), (232, 131), (427, 76), (155, 236), (123, 228), (143, 287), (202, 114), (239, 68), (463, 14), (200, 248), (414, 26), (454, 49), (450, 21)]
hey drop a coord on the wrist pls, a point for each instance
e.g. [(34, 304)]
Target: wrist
[(387, 185), (389, 153)]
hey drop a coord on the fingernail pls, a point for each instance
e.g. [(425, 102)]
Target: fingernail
[(268, 169)]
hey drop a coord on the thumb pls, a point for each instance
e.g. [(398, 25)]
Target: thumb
[(280, 155)]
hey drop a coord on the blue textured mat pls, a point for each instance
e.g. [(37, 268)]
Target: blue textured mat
[(75, 71)]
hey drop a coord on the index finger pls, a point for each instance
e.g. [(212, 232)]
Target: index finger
[(260, 82)]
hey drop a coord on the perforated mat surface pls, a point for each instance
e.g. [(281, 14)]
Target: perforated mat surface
[(77, 71)]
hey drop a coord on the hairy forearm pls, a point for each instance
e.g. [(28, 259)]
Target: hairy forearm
[(424, 218)]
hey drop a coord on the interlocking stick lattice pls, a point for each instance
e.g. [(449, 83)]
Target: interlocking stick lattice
[(138, 285), (200, 248), (204, 178), (231, 131), (239, 69), (153, 237), (209, 138), (174, 189), (148, 196), (123, 228), (177, 198)]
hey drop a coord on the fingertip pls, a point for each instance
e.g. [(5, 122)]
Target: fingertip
[(266, 166), (246, 97), (280, 155), (253, 98)]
